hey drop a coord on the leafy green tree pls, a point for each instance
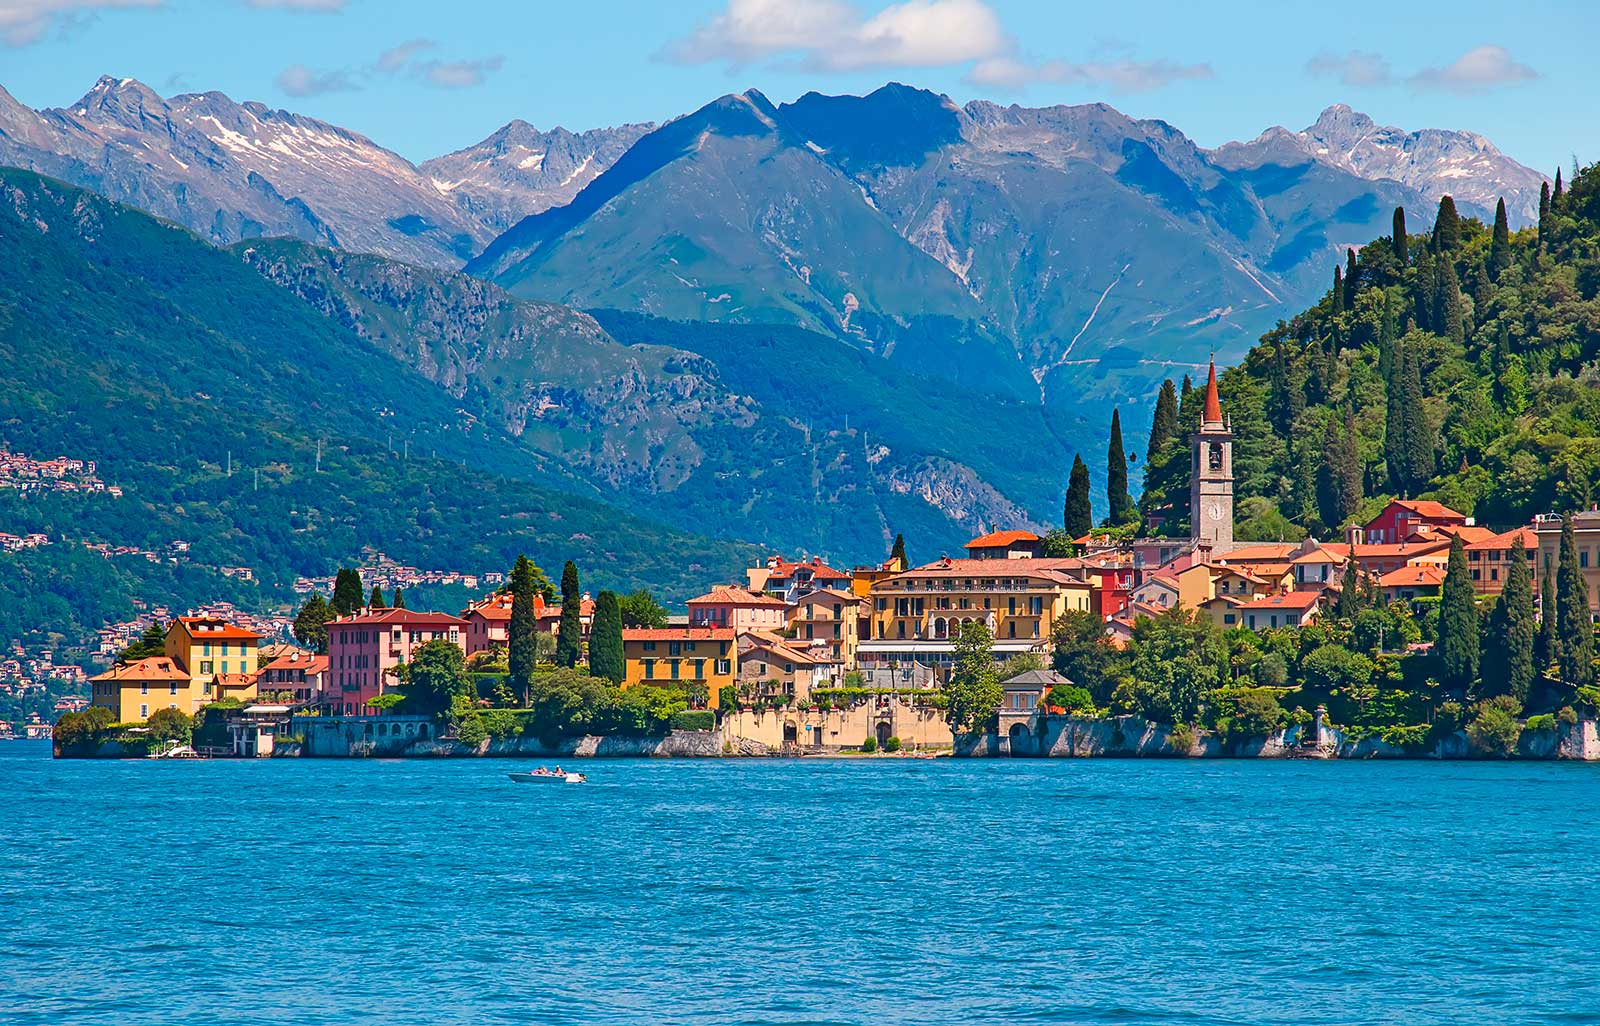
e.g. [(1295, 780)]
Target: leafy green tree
[(1500, 245), (1574, 625), (434, 678), (1057, 544), (569, 640), (1458, 623), (79, 733), (1334, 668), (1493, 728), (1120, 503), (1071, 697), (1164, 425), (1398, 236), (311, 623), (346, 592), (1078, 517), (605, 639), (166, 725), (376, 601), (898, 552), (1419, 451), (640, 609), (974, 691), (1339, 477), (522, 652)]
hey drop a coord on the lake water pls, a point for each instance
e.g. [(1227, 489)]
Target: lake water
[(806, 891)]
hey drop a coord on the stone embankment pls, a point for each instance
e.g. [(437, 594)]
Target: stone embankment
[(392, 737)]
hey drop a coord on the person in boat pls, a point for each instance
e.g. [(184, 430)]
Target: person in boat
[(558, 771)]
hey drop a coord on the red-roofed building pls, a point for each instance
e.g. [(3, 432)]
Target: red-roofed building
[(1489, 560), (207, 646), (701, 659), (135, 689), (1409, 583), (1005, 545), (729, 605), (299, 672), (1404, 517), (1291, 609), (786, 580), (365, 649)]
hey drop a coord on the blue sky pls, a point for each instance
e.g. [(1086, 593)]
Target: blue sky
[(423, 77)]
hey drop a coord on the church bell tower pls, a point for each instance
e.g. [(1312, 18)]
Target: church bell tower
[(1211, 477)]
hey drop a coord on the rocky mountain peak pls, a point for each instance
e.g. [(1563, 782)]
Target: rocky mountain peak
[(125, 101)]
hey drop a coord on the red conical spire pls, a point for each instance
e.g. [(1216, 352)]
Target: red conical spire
[(1213, 414)]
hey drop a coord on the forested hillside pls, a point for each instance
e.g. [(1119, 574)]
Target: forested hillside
[(1461, 365)]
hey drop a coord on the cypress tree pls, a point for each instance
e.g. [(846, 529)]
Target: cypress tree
[(569, 642), (1458, 624), (376, 601), (521, 650), (605, 639), (1402, 244), (1338, 290), (1352, 278), (1446, 228), (1394, 421), (1350, 591), (1188, 410), (1447, 303), (1547, 651), (399, 599), (899, 550), (1164, 425), (1544, 213), (1574, 626), (1339, 482), (1555, 197), (1078, 516), (1418, 437), (1500, 243), (346, 592), (1423, 294), (1517, 624), (1118, 500)]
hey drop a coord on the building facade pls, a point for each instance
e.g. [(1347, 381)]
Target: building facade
[(1211, 477), (364, 651)]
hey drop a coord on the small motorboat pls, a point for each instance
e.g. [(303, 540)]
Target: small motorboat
[(543, 775)]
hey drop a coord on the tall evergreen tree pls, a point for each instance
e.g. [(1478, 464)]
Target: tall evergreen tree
[(899, 550), (1120, 503), (1424, 291), (311, 623), (1188, 406), (1164, 425), (1447, 316), (1555, 197), (1402, 244), (1350, 590), (1516, 627), (1419, 454), (1446, 228), (1352, 278), (522, 651), (1547, 650), (376, 601), (1544, 213), (1395, 421), (1338, 290), (346, 592), (1500, 243), (1574, 625), (605, 639), (1078, 517), (1339, 478), (1458, 623), (569, 640), (399, 599)]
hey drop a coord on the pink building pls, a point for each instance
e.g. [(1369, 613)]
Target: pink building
[(489, 622), (739, 608), (364, 649)]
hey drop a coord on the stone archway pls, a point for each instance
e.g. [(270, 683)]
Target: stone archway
[(791, 733), (884, 732), (1021, 739)]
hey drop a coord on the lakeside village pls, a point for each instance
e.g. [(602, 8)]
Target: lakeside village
[(1422, 634)]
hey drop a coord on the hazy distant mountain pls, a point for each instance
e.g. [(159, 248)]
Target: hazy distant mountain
[(520, 170), (1433, 161)]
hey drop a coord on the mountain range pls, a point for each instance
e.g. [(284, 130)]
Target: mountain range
[(813, 324)]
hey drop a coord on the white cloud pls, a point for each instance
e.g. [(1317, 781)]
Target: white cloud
[(299, 80), (399, 57), (1122, 76), (837, 36), (298, 5), (26, 21), (459, 74), (1357, 68), (1475, 71)]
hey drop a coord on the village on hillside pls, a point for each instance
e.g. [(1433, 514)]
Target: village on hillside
[(848, 657)]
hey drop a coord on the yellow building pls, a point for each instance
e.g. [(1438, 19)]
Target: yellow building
[(828, 616), (133, 690), (681, 657), (209, 648)]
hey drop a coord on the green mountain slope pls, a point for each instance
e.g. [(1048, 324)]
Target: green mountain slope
[(1466, 370), (127, 340)]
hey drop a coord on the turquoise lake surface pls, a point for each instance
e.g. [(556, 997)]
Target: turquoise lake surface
[(798, 891)]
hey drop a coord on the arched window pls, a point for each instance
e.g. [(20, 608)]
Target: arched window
[(1214, 456)]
